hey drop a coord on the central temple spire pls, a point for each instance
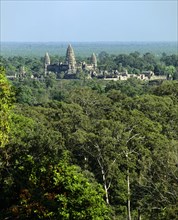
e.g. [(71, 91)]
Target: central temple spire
[(70, 59)]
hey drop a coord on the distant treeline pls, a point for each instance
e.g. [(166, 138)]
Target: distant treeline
[(86, 48)]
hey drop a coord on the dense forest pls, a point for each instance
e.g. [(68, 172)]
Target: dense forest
[(89, 149)]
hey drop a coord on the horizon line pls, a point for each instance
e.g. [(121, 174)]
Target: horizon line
[(131, 41)]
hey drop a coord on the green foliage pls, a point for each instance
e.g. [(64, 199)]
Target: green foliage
[(168, 88), (5, 106), (57, 191), (80, 199), (131, 87)]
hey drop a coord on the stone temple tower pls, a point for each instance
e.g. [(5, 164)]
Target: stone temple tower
[(46, 62), (94, 60), (70, 59)]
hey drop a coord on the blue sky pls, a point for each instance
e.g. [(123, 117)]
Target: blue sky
[(48, 21)]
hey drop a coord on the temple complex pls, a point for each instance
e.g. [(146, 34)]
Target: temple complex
[(71, 69), (70, 66)]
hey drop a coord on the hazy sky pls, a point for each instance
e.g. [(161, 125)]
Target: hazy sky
[(89, 20)]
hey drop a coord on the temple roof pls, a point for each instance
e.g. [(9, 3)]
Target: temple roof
[(70, 56)]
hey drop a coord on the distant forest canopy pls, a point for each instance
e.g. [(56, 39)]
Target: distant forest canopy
[(37, 49)]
